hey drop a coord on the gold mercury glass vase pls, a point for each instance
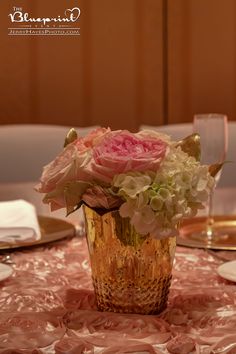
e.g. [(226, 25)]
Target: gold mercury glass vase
[(131, 273)]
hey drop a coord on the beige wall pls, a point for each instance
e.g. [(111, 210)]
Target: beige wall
[(202, 58), (135, 62)]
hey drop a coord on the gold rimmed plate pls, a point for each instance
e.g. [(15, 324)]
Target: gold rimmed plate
[(225, 225), (52, 229)]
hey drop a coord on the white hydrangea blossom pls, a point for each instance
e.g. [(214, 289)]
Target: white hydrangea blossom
[(132, 184), (155, 203)]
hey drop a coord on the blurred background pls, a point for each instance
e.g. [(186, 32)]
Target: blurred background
[(135, 62)]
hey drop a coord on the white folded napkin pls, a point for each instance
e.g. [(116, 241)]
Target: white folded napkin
[(18, 222)]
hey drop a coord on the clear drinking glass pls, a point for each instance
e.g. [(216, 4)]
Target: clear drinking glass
[(213, 131)]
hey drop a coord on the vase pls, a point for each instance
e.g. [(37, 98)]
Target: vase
[(131, 272)]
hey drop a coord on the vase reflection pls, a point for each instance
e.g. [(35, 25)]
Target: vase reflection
[(131, 272)]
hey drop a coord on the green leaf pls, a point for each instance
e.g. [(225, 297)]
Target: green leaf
[(73, 192), (71, 210), (70, 137), (191, 145), (56, 193)]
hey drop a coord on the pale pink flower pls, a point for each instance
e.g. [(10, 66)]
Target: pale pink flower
[(122, 151), (60, 170), (70, 164)]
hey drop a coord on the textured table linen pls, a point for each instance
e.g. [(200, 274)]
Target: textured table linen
[(47, 306)]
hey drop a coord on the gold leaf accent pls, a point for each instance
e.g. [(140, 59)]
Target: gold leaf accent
[(191, 145), (70, 137), (215, 168)]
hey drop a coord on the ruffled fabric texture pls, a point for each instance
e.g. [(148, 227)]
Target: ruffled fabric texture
[(48, 306)]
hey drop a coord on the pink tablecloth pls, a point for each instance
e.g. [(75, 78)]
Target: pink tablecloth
[(47, 306)]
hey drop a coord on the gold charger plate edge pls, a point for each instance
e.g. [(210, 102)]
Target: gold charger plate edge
[(221, 220), (52, 229)]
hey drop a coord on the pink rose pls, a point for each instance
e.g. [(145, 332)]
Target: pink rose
[(122, 151), (70, 164)]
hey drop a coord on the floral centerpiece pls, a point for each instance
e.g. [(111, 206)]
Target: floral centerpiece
[(136, 188)]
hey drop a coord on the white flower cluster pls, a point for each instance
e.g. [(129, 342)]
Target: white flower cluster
[(156, 202)]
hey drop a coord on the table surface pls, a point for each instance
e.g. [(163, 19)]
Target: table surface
[(48, 306)]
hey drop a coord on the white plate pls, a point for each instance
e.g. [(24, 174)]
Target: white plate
[(228, 270), (5, 271)]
